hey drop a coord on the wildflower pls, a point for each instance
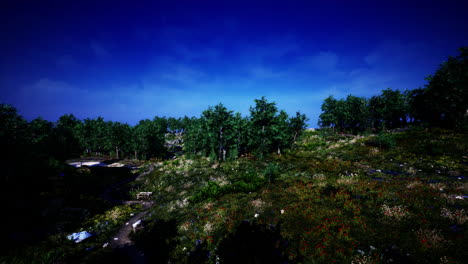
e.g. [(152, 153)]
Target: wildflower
[(431, 238), (208, 227), (258, 203), (256, 215), (397, 212), (282, 211), (458, 216), (362, 260)]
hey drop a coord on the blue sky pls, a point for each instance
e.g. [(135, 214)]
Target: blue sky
[(132, 60)]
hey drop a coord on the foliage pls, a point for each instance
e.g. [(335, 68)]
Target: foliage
[(383, 140), (221, 135), (441, 103), (446, 93)]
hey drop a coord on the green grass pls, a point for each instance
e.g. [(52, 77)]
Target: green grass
[(377, 199)]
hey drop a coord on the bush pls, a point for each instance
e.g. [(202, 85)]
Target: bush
[(385, 141), (271, 172), (208, 192)]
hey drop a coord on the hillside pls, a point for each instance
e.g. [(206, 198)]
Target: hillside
[(395, 197)]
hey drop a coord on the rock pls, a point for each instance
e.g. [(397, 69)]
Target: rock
[(136, 224), (80, 236), (116, 165), (144, 195)]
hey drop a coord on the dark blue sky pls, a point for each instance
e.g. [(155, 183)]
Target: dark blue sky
[(132, 60)]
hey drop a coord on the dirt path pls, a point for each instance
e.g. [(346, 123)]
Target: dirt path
[(122, 237), (121, 241), (107, 194)]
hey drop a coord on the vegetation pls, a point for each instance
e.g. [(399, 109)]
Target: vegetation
[(441, 103), (256, 189)]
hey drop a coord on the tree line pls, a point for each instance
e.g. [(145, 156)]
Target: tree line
[(218, 133), (441, 103), (221, 134)]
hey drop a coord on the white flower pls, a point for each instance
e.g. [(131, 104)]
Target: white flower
[(256, 215), (282, 211)]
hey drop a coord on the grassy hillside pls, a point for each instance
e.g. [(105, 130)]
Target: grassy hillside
[(398, 197)]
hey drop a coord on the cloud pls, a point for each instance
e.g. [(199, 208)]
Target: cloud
[(172, 86), (99, 50), (262, 72), (66, 62), (323, 61)]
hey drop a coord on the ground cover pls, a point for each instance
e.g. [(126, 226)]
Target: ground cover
[(399, 197), (342, 199)]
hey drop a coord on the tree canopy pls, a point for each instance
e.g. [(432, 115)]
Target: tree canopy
[(441, 103)]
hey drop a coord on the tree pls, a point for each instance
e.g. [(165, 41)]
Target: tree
[(41, 136), (297, 125), (394, 110), (12, 139), (356, 114), (219, 123), (120, 133), (67, 135), (239, 128), (376, 108), (195, 141), (329, 115), (446, 94), (262, 119), (281, 134)]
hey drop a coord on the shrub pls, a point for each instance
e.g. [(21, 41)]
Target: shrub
[(385, 141), (211, 191), (271, 172)]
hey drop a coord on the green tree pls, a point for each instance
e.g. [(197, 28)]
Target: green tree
[(356, 113), (394, 111), (218, 130), (67, 136), (41, 137), (297, 126), (281, 132), (240, 126), (376, 108), (119, 136), (446, 94), (13, 141), (195, 141), (262, 120), (329, 115)]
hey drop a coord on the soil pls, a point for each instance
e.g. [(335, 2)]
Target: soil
[(121, 242)]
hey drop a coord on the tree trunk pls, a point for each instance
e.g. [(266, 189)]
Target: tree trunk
[(117, 152), (294, 139), (220, 151), (279, 151), (135, 154)]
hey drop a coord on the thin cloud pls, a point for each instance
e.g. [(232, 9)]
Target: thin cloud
[(323, 61), (99, 50)]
